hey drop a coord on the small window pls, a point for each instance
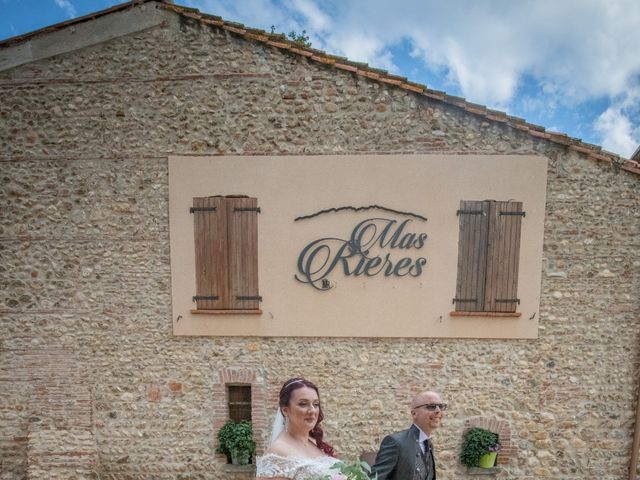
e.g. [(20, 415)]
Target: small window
[(239, 398), (488, 256), (226, 252)]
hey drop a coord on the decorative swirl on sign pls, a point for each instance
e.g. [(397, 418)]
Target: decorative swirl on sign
[(358, 209)]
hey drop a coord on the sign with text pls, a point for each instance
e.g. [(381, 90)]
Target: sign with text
[(375, 246), (365, 245)]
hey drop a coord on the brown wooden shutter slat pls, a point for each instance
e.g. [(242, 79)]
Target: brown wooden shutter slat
[(243, 252), (472, 259), (503, 256), (239, 402), (493, 259), (513, 234), (211, 253)]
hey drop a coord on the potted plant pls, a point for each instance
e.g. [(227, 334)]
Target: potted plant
[(235, 440), (479, 448)]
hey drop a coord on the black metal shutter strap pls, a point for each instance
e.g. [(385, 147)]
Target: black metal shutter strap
[(470, 212), (462, 300), (202, 209), (205, 297), (247, 209)]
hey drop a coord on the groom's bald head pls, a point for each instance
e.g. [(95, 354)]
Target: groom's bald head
[(425, 397), (427, 411)]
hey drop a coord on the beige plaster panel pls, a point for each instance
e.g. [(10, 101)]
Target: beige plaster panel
[(357, 306)]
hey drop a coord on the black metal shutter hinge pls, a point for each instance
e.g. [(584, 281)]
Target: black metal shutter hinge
[(204, 297), (248, 209), (469, 212), (508, 300), (462, 300), (202, 209)]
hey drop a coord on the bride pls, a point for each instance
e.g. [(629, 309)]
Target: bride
[(297, 450)]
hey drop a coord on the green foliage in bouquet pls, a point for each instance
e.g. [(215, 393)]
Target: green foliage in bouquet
[(236, 441), (477, 441), (357, 470)]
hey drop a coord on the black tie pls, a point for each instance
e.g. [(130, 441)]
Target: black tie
[(428, 458), (427, 447)]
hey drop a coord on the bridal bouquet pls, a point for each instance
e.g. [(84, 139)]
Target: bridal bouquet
[(350, 471)]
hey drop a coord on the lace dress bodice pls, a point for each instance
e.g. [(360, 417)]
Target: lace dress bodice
[(272, 465)]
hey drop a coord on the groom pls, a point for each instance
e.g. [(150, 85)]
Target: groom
[(408, 455)]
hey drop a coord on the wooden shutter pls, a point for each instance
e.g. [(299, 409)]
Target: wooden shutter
[(242, 218), (472, 256), (503, 253), (210, 232), (239, 402), (226, 251)]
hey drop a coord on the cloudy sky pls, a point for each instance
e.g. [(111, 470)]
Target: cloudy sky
[(572, 66)]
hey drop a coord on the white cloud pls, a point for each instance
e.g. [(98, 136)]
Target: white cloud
[(361, 47), (616, 130), (318, 21), (68, 7), (616, 124)]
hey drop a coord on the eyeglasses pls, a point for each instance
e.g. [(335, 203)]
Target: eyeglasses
[(432, 406)]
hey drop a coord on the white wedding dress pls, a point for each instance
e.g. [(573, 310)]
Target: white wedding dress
[(294, 468)]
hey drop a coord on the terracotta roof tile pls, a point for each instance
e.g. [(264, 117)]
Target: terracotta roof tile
[(435, 94), (286, 46), (369, 74), (494, 115), (361, 65), (304, 53), (235, 29), (391, 81), (257, 37), (580, 148), (323, 59), (414, 87), (539, 134), (560, 138), (282, 42), (228, 23), (345, 66)]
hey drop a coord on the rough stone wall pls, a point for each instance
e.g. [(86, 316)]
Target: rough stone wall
[(84, 264)]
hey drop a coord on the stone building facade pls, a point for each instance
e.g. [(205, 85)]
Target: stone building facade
[(94, 382)]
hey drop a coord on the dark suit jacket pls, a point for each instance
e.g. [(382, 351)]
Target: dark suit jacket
[(396, 459)]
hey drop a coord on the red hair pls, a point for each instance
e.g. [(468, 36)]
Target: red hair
[(316, 432)]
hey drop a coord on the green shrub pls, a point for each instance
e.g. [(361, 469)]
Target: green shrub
[(477, 442), (236, 440)]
